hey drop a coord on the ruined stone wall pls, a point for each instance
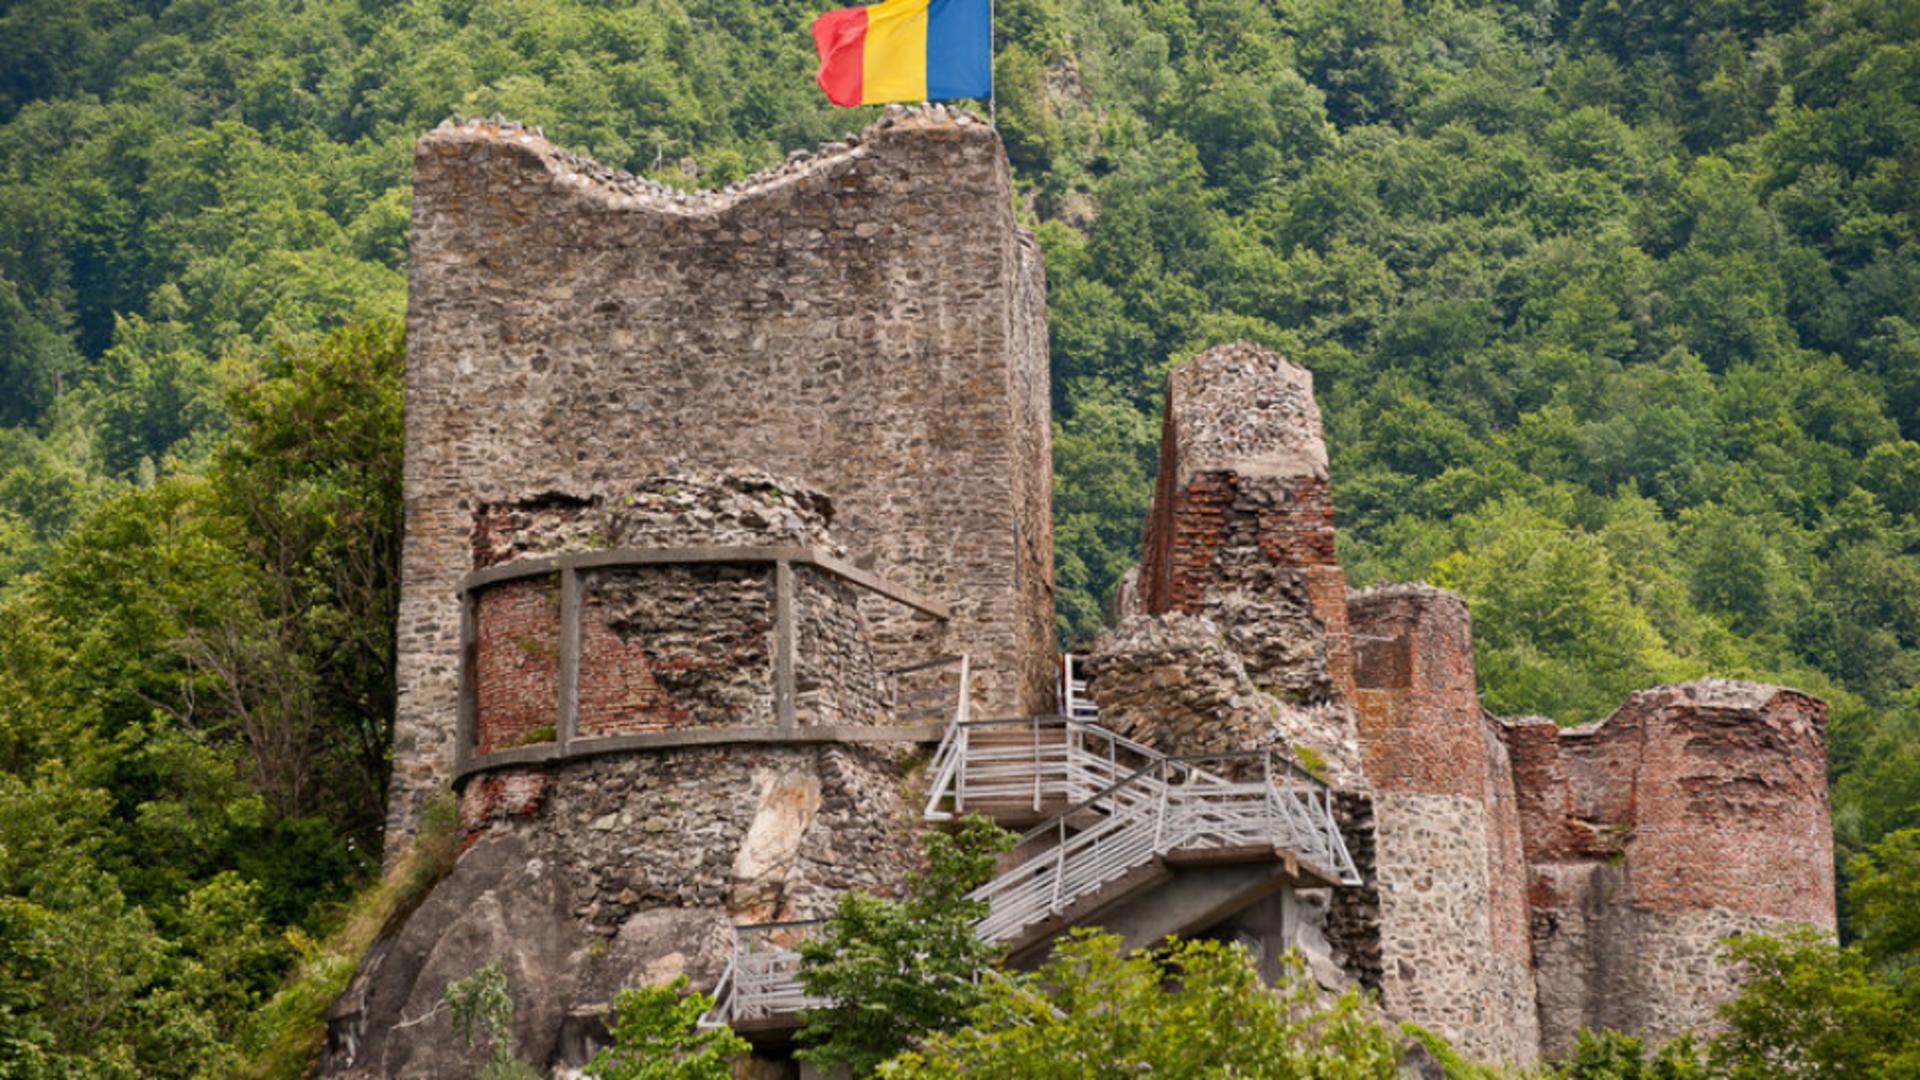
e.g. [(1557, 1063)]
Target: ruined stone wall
[(1243, 515), (1241, 535), (594, 872), (672, 646), (1451, 877), (868, 320), (1692, 813)]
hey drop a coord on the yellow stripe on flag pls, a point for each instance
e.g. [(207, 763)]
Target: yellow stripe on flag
[(895, 62)]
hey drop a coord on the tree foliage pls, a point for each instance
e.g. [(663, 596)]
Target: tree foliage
[(892, 971), (656, 1036), (1191, 1009)]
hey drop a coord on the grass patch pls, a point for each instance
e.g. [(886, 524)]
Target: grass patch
[(545, 733), (282, 1038)]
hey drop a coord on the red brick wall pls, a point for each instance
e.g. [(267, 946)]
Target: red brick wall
[(618, 693), (1419, 713), (1713, 793), (516, 661)]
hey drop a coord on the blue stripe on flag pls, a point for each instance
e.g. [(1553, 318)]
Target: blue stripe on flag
[(959, 49)]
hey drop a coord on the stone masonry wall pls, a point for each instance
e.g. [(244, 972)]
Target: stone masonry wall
[(1175, 683), (665, 647), (1691, 813), (1243, 506), (602, 873), (1452, 883), (589, 874), (1241, 534), (868, 320), (668, 647)]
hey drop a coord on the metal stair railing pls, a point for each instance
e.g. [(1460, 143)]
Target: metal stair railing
[(1059, 761), (762, 978), (1142, 806), (1074, 701), (1168, 805)]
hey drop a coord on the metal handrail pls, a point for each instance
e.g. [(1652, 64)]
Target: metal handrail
[(1138, 815), (761, 981), (1042, 770)]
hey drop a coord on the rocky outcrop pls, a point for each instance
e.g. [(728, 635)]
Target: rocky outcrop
[(619, 871)]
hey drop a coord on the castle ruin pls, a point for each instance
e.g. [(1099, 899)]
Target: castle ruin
[(729, 567)]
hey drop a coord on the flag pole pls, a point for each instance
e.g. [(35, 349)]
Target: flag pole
[(993, 84)]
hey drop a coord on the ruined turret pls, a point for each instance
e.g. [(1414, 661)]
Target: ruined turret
[(700, 488), (867, 320), (1520, 881)]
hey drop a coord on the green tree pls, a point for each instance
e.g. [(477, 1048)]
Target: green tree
[(657, 1036), (894, 971), (1614, 1055), (1811, 1010), (1191, 1009), (481, 1006)]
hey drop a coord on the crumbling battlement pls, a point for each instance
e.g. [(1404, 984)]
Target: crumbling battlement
[(1692, 813), (1521, 880), (1243, 514), (868, 320), (1452, 875)]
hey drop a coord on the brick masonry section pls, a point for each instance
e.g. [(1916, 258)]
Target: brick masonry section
[(668, 647), (517, 663), (869, 320), (1453, 882), (1692, 813), (1522, 881)]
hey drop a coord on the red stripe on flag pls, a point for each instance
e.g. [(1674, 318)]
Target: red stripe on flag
[(840, 37)]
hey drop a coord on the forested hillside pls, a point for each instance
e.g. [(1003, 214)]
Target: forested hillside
[(1613, 307)]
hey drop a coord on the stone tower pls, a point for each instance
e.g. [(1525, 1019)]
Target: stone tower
[(868, 320), (690, 479)]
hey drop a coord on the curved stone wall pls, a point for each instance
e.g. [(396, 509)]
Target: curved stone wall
[(1452, 877), (593, 869), (665, 647), (587, 876)]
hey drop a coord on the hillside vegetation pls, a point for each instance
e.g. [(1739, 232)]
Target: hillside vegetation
[(1613, 307)]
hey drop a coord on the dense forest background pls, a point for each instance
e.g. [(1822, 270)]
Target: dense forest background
[(1613, 307)]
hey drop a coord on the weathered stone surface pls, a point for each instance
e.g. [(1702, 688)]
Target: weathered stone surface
[(1442, 966), (1692, 813), (869, 320), (1243, 506), (669, 646), (504, 903), (1175, 683), (615, 871), (1453, 887), (788, 803)]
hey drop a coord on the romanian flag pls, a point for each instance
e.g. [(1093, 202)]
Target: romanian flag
[(906, 50)]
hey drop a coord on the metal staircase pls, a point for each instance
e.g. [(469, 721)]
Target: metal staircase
[(1116, 818)]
